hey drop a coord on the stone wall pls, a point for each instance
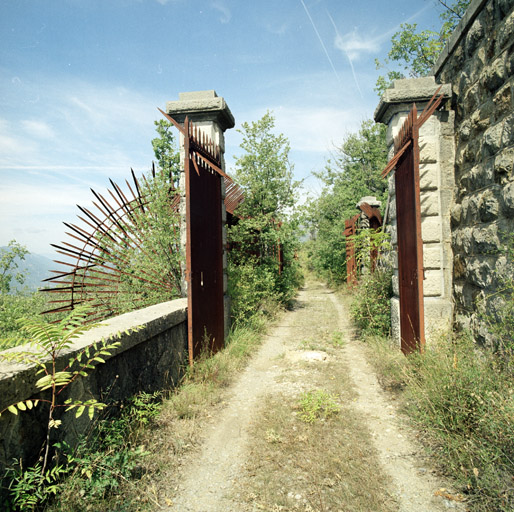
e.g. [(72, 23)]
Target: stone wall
[(479, 64), (150, 359)]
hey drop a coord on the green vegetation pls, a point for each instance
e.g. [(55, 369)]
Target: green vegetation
[(31, 487), (262, 266), (17, 304), (317, 405), (415, 52), (10, 258), (461, 401), (165, 151), (352, 173)]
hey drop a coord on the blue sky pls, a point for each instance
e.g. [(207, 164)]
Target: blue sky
[(81, 80)]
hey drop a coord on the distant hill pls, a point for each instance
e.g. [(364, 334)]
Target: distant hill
[(36, 268)]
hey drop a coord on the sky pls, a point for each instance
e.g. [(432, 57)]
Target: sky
[(81, 80)]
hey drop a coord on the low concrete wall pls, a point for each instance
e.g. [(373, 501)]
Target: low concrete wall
[(150, 359)]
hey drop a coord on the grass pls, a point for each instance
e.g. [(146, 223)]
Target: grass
[(462, 402)]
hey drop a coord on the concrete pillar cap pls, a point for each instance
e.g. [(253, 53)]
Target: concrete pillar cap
[(201, 106), (405, 92)]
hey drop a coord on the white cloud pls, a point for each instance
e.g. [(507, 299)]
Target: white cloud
[(354, 45), (38, 129), (317, 129), (226, 15)]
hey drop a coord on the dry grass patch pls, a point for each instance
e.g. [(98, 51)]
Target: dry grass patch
[(324, 464)]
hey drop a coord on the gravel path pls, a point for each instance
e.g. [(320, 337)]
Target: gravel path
[(211, 475)]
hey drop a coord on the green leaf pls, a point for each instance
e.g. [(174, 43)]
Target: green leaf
[(21, 406), (44, 382), (91, 412), (13, 409), (79, 411)]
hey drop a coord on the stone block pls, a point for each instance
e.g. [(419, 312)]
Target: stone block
[(507, 137), (395, 321), (438, 318), (479, 270), (428, 176), (493, 139), (433, 284), (474, 37), (462, 240), (456, 215), (392, 210), (390, 185), (505, 32), (508, 200), (464, 130), (394, 236), (485, 239), (504, 166), (429, 203), (494, 76), (503, 101), (430, 128), (428, 152), (488, 206), (395, 282), (431, 229), (432, 256)]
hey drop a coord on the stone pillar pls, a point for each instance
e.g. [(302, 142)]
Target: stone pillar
[(211, 115), (365, 222), (436, 142), (372, 201)]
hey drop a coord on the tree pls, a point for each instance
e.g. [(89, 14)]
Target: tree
[(352, 172), (264, 171), (166, 153), (10, 258), (262, 265), (416, 52)]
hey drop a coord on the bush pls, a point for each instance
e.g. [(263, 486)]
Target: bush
[(465, 405), (371, 308)]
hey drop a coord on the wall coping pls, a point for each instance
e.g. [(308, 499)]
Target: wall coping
[(460, 31), (17, 381)]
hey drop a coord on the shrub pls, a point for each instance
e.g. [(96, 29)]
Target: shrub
[(371, 308)]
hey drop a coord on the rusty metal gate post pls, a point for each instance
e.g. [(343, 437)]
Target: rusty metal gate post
[(408, 212), (206, 117)]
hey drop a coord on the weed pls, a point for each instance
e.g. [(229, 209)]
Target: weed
[(463, 403), (337, 339), (109, 457), (317, 405)]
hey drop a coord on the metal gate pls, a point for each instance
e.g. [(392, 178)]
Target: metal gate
[(204, 239), (204, 245), (408, 219)]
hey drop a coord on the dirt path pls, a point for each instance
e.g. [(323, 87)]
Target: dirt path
[(257, 455)]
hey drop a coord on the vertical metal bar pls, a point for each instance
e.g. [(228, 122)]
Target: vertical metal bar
[(187, 171), (419, 238)]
